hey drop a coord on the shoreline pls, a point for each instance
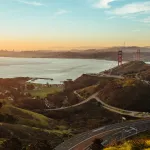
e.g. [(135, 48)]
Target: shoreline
[(57, 58)]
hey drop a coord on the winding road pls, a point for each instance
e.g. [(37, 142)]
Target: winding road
[(109, 134), (104, 105), (73, 106)]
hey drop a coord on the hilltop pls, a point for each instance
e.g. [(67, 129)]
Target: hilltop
[(137, 69), (130, 68)]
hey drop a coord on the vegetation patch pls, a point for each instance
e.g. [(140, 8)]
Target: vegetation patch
[(28, 135), (129, 94), (88, 91), (26, 117), (137, 142), (2, 140), (132, 145), (132, 67), (83, 118), (44, 91)]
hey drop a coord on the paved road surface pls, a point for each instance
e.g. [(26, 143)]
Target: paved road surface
[(72, 106), (107, 133), (106, 106)]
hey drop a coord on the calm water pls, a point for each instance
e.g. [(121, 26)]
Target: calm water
[(58, 69)]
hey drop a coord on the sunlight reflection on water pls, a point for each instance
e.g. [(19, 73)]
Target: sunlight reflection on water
[(57, 69)]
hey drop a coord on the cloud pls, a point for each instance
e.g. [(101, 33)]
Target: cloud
[(34, 3), (146, 20), (136, 30), (104, 3), (133, 8), (61, 12), (129, 16), (111, 17)]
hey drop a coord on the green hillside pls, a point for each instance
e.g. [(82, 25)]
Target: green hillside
[(44, 91), (25, 117), (130, 94), (83, 118), (28, 134)]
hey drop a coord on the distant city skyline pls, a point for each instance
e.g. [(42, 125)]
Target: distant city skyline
[(71, 24)]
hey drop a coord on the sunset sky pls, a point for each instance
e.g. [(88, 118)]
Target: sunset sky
[(67, 24)]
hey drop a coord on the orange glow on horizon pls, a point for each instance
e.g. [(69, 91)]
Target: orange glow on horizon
[(61, 45)]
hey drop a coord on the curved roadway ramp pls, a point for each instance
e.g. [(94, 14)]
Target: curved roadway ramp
[(106, 106), (73, 106), (110, 133)]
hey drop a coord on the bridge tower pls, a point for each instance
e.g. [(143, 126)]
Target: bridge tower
[(119, 57), (138, 53)]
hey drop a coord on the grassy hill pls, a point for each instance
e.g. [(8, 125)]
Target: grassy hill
[(81, 82), (43, 91), (130, 68), (25, 117), (89, 90), (145, 75), (29, 127), (84, 117), (28, 134), (130, 94)]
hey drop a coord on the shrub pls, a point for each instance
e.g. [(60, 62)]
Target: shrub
[(12, 144), (40, 145)]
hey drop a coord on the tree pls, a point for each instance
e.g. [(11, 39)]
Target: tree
[(97, 144), (12, 144), (1, 104), (40, 145), (30, 87), (47, 84)]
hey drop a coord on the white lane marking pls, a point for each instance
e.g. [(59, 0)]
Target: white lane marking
[(99, 129), (95, 136)]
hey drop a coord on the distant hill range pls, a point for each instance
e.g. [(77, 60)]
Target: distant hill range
[(129, 53)]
